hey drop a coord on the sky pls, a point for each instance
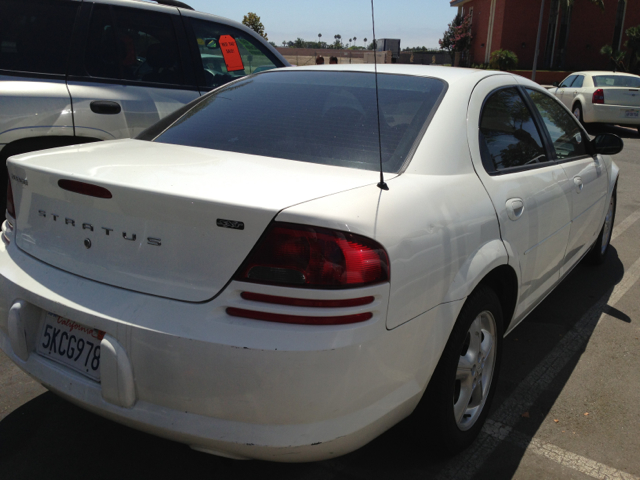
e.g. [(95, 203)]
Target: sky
[(414, 22)]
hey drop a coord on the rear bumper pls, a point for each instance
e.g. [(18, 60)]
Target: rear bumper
[(230, 386), (615, 114)]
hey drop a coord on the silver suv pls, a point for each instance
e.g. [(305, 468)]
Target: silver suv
[(78, 71)]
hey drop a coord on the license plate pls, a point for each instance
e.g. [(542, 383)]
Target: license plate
[(631, 113), (72, 344)]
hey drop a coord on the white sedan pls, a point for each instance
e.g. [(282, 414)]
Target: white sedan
[(240, 279), (602, 97)]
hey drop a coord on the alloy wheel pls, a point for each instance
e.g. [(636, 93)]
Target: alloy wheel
[(475, 370)]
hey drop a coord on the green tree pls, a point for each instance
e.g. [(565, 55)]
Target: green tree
[(252, 21), (457, 37), (503, 60), (628, 60)]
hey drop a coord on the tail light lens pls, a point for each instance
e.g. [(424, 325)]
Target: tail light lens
[(11, 209), (598, 96), (313, 257)]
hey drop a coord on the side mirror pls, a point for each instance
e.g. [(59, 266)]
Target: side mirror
[(607, 144), (555, 84)]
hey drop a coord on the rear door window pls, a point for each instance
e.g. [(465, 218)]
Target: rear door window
[(508, 134), (227, 53), (132, 44), (35, 35), (577, 83)]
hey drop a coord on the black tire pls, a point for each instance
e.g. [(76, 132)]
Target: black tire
[(577, 111), (447, 393), (599, 250), (638, 128)]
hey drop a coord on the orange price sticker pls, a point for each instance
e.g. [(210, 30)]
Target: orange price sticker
[(230, 53)]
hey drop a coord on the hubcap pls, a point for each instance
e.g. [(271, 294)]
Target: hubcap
[(606, 230), (576, 112), (475, 370)]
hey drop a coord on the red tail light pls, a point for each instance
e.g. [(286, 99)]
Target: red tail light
[(84, 188), (307, 302), (11, 209), (299, 319), (598, 96), (313, 257)]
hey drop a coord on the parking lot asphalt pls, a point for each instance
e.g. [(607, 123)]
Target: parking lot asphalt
[(565, 408)]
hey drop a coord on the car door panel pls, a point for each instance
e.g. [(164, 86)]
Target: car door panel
[(134, 59), (584, 169), (588, 199), (536, 196), (140, 108)]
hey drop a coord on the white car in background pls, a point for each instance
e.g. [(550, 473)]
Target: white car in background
[(237, 279), (602, 97)]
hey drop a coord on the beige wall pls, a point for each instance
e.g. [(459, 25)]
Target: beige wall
[(307, 56)]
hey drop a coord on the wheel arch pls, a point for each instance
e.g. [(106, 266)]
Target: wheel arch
[(488, 266), (577, 101), (504, 282), (33, 144)]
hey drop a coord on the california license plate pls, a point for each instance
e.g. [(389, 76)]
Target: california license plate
[(71, 344), (632, 113)]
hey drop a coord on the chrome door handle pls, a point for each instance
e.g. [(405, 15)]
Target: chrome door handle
[(577, 181), (515, 207)]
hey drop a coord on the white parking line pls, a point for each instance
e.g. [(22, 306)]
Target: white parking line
[(552, 452), (465, 465), (626, 223)]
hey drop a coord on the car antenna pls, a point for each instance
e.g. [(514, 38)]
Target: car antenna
[(381, 184)]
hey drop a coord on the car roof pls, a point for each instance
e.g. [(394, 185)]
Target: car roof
[(603, 72), (449, 74)]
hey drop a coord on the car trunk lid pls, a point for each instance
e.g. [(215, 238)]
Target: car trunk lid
[(180, 221), (624, 97)]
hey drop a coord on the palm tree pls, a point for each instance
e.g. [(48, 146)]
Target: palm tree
[(319, 37), (354, 40), (365, 42)]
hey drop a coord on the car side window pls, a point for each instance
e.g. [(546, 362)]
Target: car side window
[(567, 137), (227, 53), (577, 83), (132, 44), (566, 83), (508, 134), (35, 35)]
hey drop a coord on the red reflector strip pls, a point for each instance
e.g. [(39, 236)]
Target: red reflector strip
[(84, 188), (299, 319), (305, 302)]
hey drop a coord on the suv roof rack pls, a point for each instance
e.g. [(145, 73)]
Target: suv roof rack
[(173, 3)]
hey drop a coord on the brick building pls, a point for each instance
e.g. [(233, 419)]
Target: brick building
[(570, 39)]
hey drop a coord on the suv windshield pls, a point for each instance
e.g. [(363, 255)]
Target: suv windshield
[(320, 117)]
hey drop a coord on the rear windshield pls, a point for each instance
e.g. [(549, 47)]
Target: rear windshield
[(314, 116), (616, 81)]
